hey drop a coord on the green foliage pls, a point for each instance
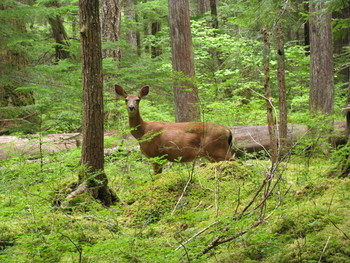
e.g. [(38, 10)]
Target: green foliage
[(157, 214), (228, 64)]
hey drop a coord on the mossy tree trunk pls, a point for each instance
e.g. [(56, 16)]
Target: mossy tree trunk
[(59, 33)]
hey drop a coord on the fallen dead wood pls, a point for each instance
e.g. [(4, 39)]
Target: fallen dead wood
[(249, 138), (256, 138)]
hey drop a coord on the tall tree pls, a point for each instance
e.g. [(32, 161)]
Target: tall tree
[(214, 14), (111, 24), (281, 81), (321, 59), (156, 49), (307, 28), (203, 6), (59, 32), (185, 92), (92, 179), (268, 96), (131, 17)]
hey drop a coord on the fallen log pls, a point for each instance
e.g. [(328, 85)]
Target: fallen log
[(256, 138), (249, 138)]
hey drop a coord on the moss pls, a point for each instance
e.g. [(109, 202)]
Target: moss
[(150, 202), (83, 203), (227, 170), (8, 234)]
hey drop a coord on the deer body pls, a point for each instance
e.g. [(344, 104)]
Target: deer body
[(176, 142)]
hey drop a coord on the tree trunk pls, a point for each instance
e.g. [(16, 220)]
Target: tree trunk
[(307, 29), (59, 33), (92, 179), (281, 82), (131, 34), (268, 96), (60, 36), (203, 6), (185, 92), (214, 14), (111, 21), (155, 49), (321, 60)]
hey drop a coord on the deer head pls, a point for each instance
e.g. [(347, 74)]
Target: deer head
[(132, 101)]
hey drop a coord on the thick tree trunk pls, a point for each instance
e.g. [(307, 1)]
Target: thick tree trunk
[(203, 6), (92, 176), (111, 21), (321, 60), (185, 92)]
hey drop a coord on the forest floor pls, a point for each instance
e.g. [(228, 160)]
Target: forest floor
[(291, 212)]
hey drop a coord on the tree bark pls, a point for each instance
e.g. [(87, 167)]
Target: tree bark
[(268, 96), (111, 21), (92, 159), (281, 81), (203, 6), (185, 92), (155, 49), (214, 14), (60, 36), (307, 29), (131, 34), (59, 33), (321, 60)]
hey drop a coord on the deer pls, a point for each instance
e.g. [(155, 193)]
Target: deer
[(176, 142)]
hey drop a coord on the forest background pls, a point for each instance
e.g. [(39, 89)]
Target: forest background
[(297, 216)]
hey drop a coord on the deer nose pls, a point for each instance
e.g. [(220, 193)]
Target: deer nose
[(131, 108)]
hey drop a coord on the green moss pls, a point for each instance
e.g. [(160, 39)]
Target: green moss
[(227, 170), (150, 202), (83, 203), (146, 227)]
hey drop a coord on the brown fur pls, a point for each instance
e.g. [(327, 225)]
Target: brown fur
[(176, 142)]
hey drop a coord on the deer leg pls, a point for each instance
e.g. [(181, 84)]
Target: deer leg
[(158, 168)]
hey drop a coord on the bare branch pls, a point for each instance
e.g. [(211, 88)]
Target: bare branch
[(195, 235)]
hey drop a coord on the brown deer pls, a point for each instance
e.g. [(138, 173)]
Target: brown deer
[(176, 142)]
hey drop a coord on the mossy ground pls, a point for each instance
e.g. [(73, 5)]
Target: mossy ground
[(157, 214)]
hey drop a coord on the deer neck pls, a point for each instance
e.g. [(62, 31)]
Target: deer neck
[(136, 125)]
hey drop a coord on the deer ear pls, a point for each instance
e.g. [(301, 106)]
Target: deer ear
[(120, 91), (144, 91)]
